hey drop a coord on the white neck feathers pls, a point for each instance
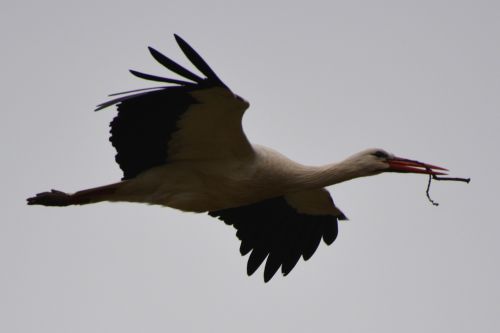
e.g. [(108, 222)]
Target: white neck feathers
[(334, 173)]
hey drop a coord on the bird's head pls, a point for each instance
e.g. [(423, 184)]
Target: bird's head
[(374, 161)]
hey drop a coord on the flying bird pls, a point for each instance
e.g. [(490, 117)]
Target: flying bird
[(182, 146)]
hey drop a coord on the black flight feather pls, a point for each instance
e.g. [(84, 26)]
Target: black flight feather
[(256, 259), (312, 239), (147, 118), (197, 60), (135, 90), (123, 99), (330, 231), (274, 230), (290, 260), (173, 66), (159, 78), (144, 125), (292, 252), (272, 265)]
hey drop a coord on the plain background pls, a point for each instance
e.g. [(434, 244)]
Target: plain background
[(325, 80)]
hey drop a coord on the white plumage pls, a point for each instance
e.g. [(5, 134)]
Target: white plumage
[(183, 146)]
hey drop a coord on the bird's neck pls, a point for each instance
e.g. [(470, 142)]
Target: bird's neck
[(330, 174)]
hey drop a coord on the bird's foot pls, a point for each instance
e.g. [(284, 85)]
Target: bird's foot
[(52, 198)]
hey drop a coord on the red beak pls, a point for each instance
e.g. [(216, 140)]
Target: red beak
[(398, 164)]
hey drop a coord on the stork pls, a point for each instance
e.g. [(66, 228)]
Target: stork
[(182, 146)]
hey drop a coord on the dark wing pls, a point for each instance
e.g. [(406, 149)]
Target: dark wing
[(283, 229), (194, 119)]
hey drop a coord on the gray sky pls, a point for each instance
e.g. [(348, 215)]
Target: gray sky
[(324, 79)]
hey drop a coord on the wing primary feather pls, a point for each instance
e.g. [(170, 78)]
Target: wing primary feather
[(256, 258), (273, 263), (245, 247), (173, 66), (121, 99), (330, 230), (292, 243), (290, 261), (159, 78), (197, 60), (135, 90), (274, 232), (312, 240)]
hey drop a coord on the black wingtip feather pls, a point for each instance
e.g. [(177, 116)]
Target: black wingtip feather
[(197, 60), (126, 97), (330, 232), (173, 66), (245, 247), (159, 78), (256, 259), (290, 261), (135, 90), (311, 241), (272, 229), (273, 263)]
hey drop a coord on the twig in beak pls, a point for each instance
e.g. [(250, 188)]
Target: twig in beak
[(435, 177)]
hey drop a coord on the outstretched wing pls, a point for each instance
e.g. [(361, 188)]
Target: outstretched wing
[(196, 118), (283, 229)]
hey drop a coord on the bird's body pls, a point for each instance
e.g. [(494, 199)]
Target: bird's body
[(183, 147), (215, 184), (208, 185)]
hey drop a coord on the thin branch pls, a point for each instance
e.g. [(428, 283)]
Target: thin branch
[(435, 177)]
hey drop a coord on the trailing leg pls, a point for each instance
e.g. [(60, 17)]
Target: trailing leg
[(58, 198)]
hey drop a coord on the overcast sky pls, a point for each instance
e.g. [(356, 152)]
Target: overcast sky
[(324, 79)]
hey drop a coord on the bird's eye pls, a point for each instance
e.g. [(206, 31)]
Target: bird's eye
[(381, 154)]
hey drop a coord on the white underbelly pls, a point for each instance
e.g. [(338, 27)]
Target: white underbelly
[(201, 188)]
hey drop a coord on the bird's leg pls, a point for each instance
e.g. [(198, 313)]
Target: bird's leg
[(52, 198), (58, 198)]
